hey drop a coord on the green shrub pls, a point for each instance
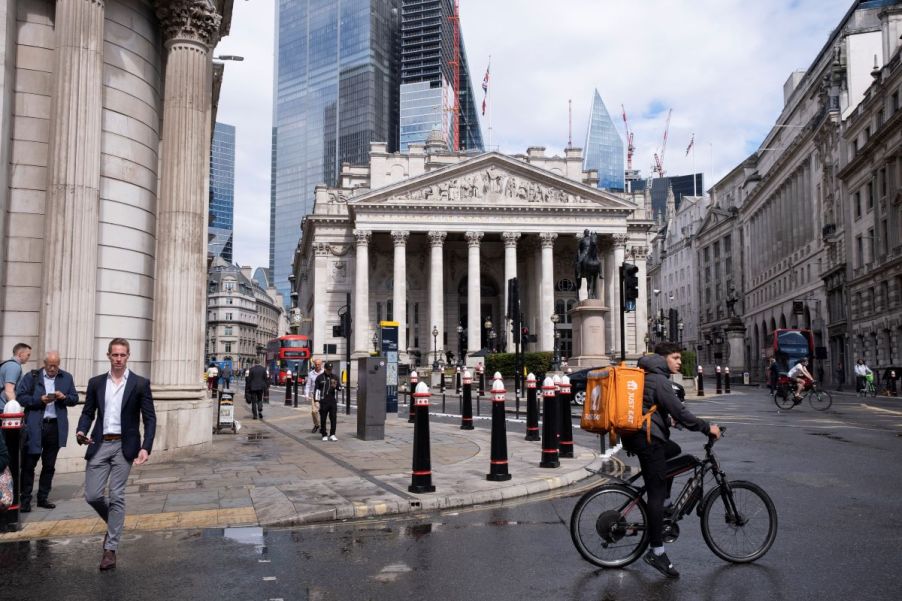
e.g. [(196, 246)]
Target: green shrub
[(690, 364), (504, 362)]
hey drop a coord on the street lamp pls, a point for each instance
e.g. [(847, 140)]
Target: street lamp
[(487, 325), (680, 328), (434, 348), (460, 344), (556, 361)]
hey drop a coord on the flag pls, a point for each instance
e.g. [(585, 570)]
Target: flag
[(691, 142), (485, 87)]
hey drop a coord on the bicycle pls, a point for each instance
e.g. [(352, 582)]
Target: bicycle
[(818, 399), (869, 388), (738, 519)]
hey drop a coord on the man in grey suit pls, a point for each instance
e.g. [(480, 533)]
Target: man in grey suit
[(120, 399)]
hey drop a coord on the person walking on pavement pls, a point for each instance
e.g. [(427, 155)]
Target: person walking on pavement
[(309, 384), (120, 400), (226, 376), (45, 394), (212, 378), (654, 452), (256, 384), (324, 391), (11, 372)]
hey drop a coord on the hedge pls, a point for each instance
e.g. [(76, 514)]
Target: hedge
[(537, 363), (690, 363)]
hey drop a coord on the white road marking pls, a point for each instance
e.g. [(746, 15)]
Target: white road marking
[(881, 409)]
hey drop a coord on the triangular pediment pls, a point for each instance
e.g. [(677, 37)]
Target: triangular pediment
[(491, 179)]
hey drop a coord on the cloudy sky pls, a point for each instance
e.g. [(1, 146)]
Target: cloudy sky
[(719, 64)]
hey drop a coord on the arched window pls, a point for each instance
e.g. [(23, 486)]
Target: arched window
[(565, 285)]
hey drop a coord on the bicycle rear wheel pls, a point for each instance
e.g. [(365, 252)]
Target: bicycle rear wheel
[(745, 535), (609, 526), (783, 399), (820, 400)]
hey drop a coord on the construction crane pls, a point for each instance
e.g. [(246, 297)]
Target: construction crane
[(454, 63), (659, 159), (629, 141)]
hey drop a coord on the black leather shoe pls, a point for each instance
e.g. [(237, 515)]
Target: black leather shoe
[(25, 507), (46, 504)]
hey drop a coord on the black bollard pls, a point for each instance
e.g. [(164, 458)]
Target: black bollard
[(498, 464), (718, 380), (414, 378), (565, 445), (443, 386), (726, 380), (700, 387), (457, 382), (288, 390), (532, 409), (891, 383), (466, 410), (297, 378), (550, 452), (421, 475)]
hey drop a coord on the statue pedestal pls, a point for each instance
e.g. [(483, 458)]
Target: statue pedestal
[(735, 334), (589, 349)]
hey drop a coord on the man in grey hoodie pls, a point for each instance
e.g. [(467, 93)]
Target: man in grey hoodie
[(653, 455)]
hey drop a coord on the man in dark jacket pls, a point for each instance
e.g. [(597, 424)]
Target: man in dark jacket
[(45, 394), (324, 391), (255, 386), (653, 456)]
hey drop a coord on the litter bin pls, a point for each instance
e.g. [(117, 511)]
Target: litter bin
[(745, 378), (12, 425)]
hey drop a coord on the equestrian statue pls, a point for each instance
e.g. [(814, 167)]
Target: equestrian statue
[(587, 264)]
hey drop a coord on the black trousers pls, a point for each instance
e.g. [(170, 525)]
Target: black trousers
[(653, 460), (328, 408), (256, 399), (50, 448)]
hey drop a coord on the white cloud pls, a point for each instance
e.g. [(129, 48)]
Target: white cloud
[(719, 64)]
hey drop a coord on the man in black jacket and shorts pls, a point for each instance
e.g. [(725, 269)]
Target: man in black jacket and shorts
[(324, 391), (653, 455)]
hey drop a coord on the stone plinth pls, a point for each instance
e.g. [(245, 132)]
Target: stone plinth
[(735, 333), (589, 347)]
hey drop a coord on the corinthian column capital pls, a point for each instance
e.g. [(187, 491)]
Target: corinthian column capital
[(362, 237), (189, 20), (437, 238), (473, 239), (547, 239), (510, 239), (399, 237)]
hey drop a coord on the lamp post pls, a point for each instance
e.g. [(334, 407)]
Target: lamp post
[(556, 360), (460, 344), (680, 329), (434, 348)]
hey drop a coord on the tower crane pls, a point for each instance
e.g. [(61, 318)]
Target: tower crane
[(659, 159), (629, 141)]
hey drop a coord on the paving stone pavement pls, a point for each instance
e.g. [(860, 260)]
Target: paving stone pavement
[(275, 472)]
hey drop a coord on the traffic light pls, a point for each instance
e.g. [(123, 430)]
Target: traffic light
[(343, 329), (630, 284)]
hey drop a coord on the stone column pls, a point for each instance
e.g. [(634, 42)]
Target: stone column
[(510, 272), (546, 306), (436, 293), (189, 29), (474, 287), (320, 316), (616, 255), (399, 300), (73, 190), (361, 325)]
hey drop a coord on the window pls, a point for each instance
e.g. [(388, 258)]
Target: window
[(228, 316), (884, 237), (228, 331), (894, 103), (870, 195), (884, 295), (871, 245), (856, 201), (229, 301), (228, 347), (881, 182), (390, 310)]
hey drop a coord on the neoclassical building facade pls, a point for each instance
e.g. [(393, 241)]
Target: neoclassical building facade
[(106, 109), (429, 239)]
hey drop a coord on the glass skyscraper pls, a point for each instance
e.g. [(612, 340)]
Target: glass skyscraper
[(337, 88), (427, 92), (604, 147), (222, 192)]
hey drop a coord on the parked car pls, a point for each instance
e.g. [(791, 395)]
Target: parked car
[(578, 381)]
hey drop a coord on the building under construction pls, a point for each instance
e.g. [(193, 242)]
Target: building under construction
[(432, 61)]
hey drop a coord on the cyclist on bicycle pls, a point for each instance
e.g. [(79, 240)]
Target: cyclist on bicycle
[(802, 378), (862, 371), (653, 455)]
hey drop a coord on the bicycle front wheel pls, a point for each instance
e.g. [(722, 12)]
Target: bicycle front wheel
[(820, 400), (609, 526), (743, 535)]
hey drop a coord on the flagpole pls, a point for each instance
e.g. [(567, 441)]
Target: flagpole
[(491, 98), (694, 179)]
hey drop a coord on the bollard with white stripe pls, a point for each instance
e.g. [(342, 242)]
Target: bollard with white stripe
[(549, 431), (565, 444), (726, 380), (498, 471), (421, 476), (532, 409), (466, 409), (414, 378), (718, 380)]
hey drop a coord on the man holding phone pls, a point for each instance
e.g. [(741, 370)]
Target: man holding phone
[(120, 399)]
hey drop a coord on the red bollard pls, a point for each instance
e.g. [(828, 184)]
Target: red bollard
[(532, 409), (549, 431), (726, 380), (498, 465), (466, 409), (421, 476), (414, 378), (566, 426)]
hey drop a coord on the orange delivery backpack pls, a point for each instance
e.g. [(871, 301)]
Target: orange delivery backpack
[(614, 402)]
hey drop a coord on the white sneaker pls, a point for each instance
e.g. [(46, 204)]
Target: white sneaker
[(325, 438), (333, 437)]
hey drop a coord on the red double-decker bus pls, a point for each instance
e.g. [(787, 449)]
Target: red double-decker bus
[(791, 345), (291, 351)]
